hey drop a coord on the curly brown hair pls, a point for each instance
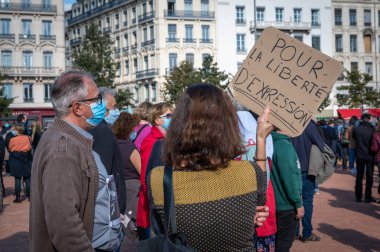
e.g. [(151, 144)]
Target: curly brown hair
[(143, 110), (125, 124), (204, 132)]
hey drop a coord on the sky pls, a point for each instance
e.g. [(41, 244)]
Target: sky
[(68, 4)]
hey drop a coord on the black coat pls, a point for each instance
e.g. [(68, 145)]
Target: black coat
[(363, 137), (20, 164)]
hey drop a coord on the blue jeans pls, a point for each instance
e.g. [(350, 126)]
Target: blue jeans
[(308, 186), (352, 157)]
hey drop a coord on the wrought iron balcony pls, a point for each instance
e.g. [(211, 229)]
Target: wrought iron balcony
[(125, 48), (117, 52), (27, 7), (147, 43), (241, 21), (286, 26), (74, 42), (30, 71), (147, 73), (189, 40), (107, 29), (50, 38), (134, 46), (28, 100), (206, 41), (27, 37), (175, 14), (146, 17), (172, 40), (7, 36)]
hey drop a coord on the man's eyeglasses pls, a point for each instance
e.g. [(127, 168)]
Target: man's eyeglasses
[(168, 116), (98, 100)]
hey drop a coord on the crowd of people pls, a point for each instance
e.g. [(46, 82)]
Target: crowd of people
[(206, 171)]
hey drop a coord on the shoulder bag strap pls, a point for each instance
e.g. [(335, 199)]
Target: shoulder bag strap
[(138, 132), (169, 210)]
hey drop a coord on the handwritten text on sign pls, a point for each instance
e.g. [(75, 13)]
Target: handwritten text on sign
[(289, 76)]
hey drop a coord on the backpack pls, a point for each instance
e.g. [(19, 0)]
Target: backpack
[(107, 223), (250, 152)]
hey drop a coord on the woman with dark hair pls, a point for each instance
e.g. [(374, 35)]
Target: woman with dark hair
[(122, 128), (215, 196)]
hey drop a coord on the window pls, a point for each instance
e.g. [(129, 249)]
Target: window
[(190, 58), (146, 63), (315, 17), (239, 65), (26, 3), (367, 43), (4, 3), (172, 31), (378, 17), (171, 8), (257, 35), (352, 17), (316, 42), (151, 32), (135, 65), (367, 17), (279, 14), (145, 34), (48, 88), (172, 61), (137, 94), (46, 27), (338, 16), (7, 90), (260, 14), (117, 21), (298, 37), (188, 7), (28, 92), (240, 15), (46, 4), (240, 43), (341, 75), (144, 9), (125, 17), (297, 15), (353, 43), (368, 68), (204, 7), (5, 26), (189, 33), (6, 58), (154, 92), (205, 55), (26, 27), (48, 59), (126, 63), (27, 59), (354, 66), (205, 33), (338, 43), (146, 87)]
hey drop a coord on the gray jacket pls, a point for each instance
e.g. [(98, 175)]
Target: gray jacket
[(321, 165)]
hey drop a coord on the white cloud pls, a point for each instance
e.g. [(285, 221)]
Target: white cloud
[(68, 6)]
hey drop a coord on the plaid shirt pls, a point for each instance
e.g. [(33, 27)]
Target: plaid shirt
[(375, 146)]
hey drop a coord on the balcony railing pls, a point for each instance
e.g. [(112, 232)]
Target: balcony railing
[(288, 26), (10, 37), (125, 49), (147, 73), (96, 11), (27, 37), (146, 17), (189, 40), (134, 46), (47, 38), (206, 41), (74, 42), (241, 21), (125, 23), (30, 71), (172, 40), (26, 7), (107, 29), (147, 43), (28, 100), (189, 14)]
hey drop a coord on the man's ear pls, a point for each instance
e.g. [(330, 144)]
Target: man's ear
[(77, 109)]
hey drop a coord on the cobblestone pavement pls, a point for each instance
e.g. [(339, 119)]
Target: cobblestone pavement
[(343, 224)]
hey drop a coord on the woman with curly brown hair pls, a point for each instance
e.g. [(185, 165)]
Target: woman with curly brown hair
[(215, 197), (123, 128)]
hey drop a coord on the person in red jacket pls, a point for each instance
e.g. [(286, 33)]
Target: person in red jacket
[(160, 117)]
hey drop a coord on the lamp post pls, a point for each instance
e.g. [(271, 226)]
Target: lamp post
[(252, 27)]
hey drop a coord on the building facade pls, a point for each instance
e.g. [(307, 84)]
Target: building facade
[(32, 54), (151, 38), (356, 31)]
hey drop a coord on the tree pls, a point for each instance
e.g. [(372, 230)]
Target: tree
[(357, 94), (326, 102), (4, 101), (185, 75), (123, 98), (95, 56)]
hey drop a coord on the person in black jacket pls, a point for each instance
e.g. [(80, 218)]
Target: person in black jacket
[(105, 144), (364, 158)]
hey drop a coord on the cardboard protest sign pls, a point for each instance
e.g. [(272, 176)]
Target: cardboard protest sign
[(287, 75)]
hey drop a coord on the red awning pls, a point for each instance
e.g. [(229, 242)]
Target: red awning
[(348, 113)]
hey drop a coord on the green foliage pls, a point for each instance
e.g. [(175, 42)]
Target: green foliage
[(185, 75), (326, 102), (4, 101), (357, 94), (95, 56), (124, 98)]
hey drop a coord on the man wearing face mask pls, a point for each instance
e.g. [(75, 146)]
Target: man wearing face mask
[(65, 177), (105, 144)]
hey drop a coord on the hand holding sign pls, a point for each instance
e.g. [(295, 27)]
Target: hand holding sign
[(287, 75)]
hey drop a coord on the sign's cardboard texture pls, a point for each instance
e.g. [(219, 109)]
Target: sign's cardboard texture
[(287, 75)]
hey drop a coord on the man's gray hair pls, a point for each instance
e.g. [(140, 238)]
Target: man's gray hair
[(69, 88), (105, 90)]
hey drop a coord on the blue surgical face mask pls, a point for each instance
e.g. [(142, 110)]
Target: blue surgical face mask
[(7, 125), (133, 135), (166, 123), (98, 113), (14, 133), (112, 116)]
